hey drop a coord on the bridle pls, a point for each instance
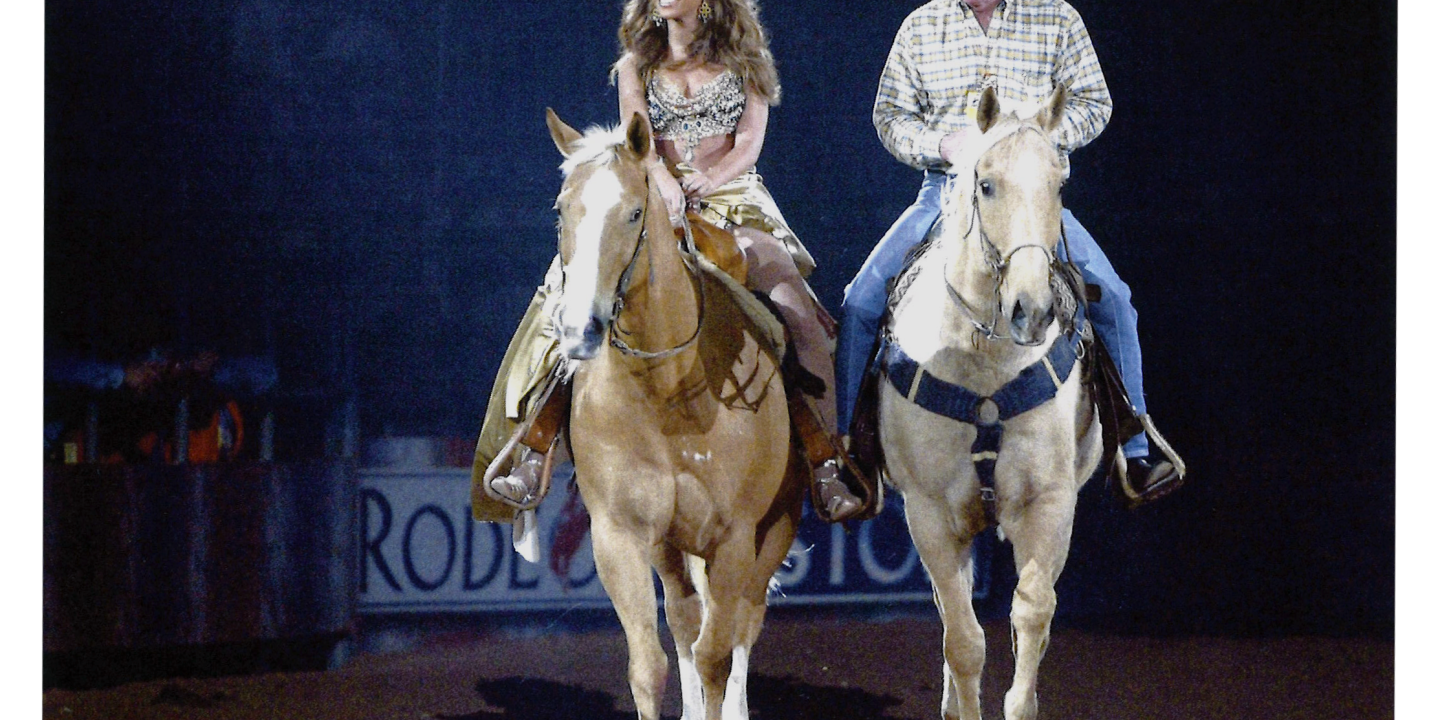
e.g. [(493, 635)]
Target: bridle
[(996, 265), (687, 251)]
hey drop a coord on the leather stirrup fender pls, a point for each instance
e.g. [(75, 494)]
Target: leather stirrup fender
[(865, 456), (539, 432), (1118, 423), (817, 446)]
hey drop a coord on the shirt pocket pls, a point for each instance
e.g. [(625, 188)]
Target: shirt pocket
[(1027, 84)]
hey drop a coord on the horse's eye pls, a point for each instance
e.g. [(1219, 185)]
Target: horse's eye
[(987, 188), (635, 216)]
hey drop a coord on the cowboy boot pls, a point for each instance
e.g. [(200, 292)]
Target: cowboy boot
[(1138, 480), (831, 494), (523, 482), (833, 498), (528, 479)]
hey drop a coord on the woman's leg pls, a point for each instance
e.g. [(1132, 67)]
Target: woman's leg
[(514, 397), (770, 270)]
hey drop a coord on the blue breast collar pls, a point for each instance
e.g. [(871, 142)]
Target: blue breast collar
[(1033, 387)]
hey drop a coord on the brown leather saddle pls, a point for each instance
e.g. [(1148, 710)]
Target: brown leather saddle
[(541, 432)]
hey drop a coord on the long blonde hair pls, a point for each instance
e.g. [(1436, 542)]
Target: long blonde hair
[(733, 37)]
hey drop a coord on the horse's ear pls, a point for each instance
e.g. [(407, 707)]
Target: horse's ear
[(989, 112), (563, 135), (637, 136), (1054, 109)]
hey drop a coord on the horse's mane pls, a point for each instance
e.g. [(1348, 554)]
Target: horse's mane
[(598, 144)]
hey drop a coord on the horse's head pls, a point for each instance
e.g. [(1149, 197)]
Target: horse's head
[(1014, 213), (602, 210)]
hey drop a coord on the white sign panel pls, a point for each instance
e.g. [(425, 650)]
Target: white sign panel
[(421, 552)]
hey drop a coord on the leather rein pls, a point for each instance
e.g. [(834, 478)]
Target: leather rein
[(687, 251), (997, 265)]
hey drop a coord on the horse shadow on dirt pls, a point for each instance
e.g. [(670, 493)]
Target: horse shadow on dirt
[(535, 699)]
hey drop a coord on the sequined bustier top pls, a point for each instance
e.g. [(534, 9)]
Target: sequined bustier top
[(715, 110)]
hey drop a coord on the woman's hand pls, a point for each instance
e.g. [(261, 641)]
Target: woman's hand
[(697, 185), (671, 193)]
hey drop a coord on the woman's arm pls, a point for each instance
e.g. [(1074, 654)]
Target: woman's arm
[(749, 139), (632, 100)]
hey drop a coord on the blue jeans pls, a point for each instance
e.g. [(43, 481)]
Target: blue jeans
[(1114, 318)]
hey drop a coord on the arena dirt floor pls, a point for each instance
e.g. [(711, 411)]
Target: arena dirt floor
[(807, 665)]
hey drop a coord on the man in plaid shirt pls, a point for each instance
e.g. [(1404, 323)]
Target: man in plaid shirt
[(944, 55)]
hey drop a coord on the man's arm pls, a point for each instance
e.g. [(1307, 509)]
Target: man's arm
[(1078, 68), (897, 114)]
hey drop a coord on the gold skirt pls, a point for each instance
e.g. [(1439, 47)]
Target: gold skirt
[(534, 350), (744, 201)]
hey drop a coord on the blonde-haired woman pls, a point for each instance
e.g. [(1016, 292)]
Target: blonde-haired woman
[(701, 72)]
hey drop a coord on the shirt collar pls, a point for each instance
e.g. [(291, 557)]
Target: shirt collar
[(999, 9)]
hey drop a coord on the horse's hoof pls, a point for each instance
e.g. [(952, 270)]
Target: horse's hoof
[(1021, 705)]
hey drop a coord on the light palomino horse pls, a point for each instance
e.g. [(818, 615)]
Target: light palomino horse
[(678, 427), (979, 312)]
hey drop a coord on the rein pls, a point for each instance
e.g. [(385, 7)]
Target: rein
[(997, 266), (623, 285), (1032, 387)]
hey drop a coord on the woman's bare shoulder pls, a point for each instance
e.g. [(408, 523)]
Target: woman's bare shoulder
[(628, 64)]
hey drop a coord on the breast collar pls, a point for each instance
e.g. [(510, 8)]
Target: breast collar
[(1033, 387)]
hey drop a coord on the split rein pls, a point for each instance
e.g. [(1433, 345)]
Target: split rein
[(687, 253)]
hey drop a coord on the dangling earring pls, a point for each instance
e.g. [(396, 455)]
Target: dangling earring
[(655, 17), (704, 11)]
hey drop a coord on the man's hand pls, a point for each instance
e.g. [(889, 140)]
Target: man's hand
[(953, 144)]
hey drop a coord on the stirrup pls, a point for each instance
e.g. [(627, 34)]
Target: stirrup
[(522, 485), (1127, 490), (829, 462), (833, 501), (539, 435)]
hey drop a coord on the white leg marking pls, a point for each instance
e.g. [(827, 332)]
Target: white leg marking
[(736, 706), (691, 695)]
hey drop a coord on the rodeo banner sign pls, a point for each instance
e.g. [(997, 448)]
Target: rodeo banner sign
[(421, 552)]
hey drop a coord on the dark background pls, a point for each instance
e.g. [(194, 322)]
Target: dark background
[(361, 191)]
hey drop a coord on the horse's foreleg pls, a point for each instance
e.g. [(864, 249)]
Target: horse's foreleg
[(721, 644), (622, 558), (1041, 537), (684, 607), (947, 558), (775, 544)]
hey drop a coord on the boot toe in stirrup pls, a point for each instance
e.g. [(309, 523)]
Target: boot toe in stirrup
[(520, 485), (838, 502), (1150, 482)]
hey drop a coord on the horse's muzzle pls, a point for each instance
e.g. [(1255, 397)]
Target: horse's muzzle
[(1029, 320), (583, 343)]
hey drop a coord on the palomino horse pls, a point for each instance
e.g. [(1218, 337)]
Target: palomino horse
[(976, 355), (678, 428)]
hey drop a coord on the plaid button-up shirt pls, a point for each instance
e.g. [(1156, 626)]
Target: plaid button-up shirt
[(941, 60)]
